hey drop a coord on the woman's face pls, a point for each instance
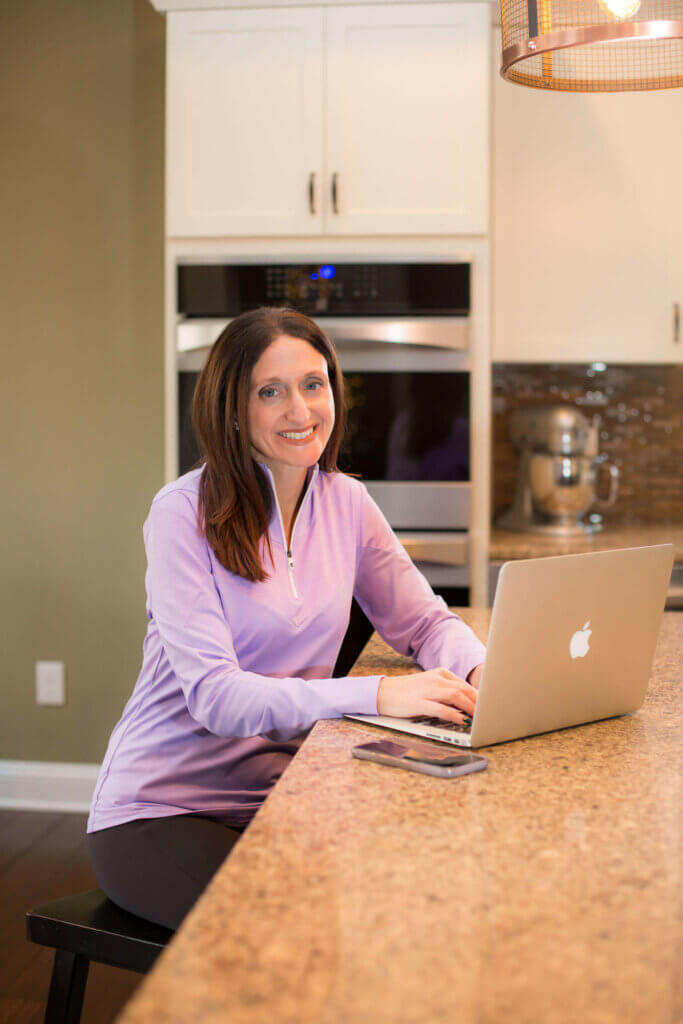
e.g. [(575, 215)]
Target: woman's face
[(290, 412)]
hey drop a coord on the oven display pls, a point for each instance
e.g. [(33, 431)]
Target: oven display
[(326, 289)]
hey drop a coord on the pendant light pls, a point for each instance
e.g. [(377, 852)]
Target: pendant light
[(593, 45)]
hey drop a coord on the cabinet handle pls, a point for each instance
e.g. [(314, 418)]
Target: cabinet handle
[(677, 322), (311, 192), (335, 205)]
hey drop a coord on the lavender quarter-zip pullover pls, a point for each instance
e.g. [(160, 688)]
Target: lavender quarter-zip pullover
[(235, 673)]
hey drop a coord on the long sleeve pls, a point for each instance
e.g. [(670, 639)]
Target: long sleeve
[(186, 604), (401, 605)]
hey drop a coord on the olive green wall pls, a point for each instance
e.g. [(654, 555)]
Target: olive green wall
[(81, 334)]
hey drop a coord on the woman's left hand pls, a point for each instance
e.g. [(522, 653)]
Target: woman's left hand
[(474, 678)]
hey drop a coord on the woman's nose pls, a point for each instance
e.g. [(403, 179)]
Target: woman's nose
[(298, 407)]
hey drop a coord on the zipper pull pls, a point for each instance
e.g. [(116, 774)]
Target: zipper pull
[(291, 574)]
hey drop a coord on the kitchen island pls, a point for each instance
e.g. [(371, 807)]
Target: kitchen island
[(543, 889)]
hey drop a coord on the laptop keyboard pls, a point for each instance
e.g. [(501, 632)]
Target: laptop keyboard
[(442, 723)]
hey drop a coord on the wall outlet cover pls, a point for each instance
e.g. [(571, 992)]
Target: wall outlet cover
[(50, 683)]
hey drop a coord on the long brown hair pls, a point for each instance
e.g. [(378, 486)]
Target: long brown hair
[(235, 498)]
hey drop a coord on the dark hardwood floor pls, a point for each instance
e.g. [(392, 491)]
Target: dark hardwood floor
[(44, 856)]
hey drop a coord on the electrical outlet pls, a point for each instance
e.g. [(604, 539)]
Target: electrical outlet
[(50, 682)]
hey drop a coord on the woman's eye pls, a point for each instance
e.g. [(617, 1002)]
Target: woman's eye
[(315, 384), (268, 392)]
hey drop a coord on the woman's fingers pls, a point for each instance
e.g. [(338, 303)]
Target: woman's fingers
[(459, 693), (448, 700), (474, 677), (460, 699), (436, 710), (437, 693)]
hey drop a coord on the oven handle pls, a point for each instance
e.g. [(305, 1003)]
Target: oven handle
[(450, 332), (444, 332)]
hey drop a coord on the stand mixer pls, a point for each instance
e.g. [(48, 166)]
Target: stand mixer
[(558, 473)]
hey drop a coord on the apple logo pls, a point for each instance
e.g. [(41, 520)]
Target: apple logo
[(578, 645)]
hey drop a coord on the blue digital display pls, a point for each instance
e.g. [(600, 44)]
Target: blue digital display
[(327, 272)]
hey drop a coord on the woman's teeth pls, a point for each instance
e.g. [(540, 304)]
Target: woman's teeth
[(297, 437)]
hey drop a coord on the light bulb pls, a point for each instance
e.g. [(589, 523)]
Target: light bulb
[(620, 8)]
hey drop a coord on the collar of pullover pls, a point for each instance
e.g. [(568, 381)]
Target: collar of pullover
[(275, 526)]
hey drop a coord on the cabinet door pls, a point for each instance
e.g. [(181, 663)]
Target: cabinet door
[(407, 119), (588, 222), (244, 122)]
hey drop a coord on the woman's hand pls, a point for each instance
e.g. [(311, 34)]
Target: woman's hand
[(437, 693), (474, 678)]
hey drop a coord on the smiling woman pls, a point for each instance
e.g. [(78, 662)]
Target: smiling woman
[(254, 558), (254, 388), (290, 417)]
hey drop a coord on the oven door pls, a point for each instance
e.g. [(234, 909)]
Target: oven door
[(407, 436), (407, 432)]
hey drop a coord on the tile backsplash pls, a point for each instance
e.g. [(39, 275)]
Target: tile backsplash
[(641, 429)]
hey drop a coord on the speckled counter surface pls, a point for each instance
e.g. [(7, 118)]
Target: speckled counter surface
[(505, 544), (543, 889)]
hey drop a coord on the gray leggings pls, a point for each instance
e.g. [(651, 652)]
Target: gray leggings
[(158, 867)]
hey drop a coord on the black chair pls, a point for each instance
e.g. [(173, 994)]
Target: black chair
[(358, 632), (88, 927)]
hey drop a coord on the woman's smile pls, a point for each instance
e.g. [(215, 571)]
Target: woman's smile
[(302, 435)]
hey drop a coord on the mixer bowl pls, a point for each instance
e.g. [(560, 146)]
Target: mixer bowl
[(563, 489)]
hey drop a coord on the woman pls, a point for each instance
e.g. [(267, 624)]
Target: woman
[(253, 560)]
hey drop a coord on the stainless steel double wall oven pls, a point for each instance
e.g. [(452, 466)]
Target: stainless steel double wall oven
[(401, 331)]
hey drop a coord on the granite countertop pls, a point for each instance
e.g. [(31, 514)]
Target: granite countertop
[(543, 889), (505, 545)]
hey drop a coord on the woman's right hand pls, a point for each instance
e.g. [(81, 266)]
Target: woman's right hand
[(437, 693)]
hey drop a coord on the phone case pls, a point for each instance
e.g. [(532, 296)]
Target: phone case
[(441, 771)]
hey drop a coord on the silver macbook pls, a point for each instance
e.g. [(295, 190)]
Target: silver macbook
[(571, 641)]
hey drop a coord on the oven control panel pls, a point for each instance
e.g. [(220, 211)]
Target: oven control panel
[(331, 289)]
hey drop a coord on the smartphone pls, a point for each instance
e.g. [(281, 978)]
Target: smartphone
[(418, 757)]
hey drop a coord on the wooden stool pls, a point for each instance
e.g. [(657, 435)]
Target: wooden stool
[(88, 927)]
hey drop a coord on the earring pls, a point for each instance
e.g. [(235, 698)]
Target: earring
[(235, 425)]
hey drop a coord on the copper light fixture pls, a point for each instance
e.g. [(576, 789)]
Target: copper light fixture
[(593, 45)]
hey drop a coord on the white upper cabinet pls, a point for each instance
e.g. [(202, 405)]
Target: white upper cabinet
[(244, 120), (407, 118), (344, 120), (587, 225)]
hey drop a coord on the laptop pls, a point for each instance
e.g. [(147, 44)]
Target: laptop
[(571, 641)]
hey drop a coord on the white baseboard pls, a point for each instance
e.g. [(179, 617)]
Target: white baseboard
[(47, 785)]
